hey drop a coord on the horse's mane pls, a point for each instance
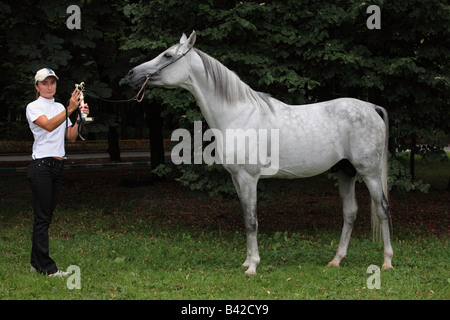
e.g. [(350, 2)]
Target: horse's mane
[(230, 87)]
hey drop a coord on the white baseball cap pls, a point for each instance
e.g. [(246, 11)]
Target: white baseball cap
[(43, 74)]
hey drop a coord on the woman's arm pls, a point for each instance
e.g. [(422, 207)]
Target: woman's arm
[(53, 123)]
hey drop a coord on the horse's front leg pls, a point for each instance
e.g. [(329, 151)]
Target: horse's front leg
[(246, 187)]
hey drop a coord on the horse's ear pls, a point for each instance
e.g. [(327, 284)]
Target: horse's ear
[(191, 39), (183, 39)]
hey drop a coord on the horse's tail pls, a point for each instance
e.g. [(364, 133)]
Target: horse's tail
[(376, 225)]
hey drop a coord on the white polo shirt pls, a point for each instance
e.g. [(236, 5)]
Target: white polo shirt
[(46, 144)]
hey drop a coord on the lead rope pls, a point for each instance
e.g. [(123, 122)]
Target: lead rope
[(84, 119), (135, 98)]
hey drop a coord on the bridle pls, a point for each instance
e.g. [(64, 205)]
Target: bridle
[(148, 76)]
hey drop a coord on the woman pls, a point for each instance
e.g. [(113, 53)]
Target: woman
[(47, 120)]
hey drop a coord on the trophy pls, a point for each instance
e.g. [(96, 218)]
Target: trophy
[(84, 117)]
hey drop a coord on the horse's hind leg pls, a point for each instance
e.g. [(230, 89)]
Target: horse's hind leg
[(382, 209), (350, 208)]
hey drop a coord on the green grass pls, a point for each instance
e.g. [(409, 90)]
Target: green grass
[(121, 258)]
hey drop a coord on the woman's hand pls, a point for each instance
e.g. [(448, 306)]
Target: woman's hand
[(85, 109), (74, 101)]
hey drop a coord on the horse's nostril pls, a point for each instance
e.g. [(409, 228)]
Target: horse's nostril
[(130, 73)]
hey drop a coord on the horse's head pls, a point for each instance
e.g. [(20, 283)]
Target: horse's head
[(167, 69)]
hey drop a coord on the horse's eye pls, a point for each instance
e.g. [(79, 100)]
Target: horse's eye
[(167, 55)]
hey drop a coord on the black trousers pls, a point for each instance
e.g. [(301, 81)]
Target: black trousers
[(45, 177)]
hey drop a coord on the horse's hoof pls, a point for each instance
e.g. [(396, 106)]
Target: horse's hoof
[(333, 264), (387, 267), (250, 272)]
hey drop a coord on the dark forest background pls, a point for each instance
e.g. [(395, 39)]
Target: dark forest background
[(298, 51)]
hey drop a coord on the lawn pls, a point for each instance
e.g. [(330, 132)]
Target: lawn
[(135, 239)]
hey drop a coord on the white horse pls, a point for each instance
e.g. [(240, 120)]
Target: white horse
[(347, 135)]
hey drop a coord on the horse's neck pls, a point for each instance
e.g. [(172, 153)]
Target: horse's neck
[(217, 112), (212, 108)]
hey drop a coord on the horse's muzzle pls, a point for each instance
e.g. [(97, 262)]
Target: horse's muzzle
[(133, 79)]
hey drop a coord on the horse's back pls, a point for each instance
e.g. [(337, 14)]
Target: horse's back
[(314, 137)]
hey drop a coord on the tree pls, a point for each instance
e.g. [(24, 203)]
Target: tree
[(298, 51), (308, 51), (36, 35)]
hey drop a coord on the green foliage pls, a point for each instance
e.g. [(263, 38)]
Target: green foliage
[(298, 51), (400, 179), (206, 179), (314, 51), (35, 35)]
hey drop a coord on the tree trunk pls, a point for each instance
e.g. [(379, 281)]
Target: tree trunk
[(113, 144), (156, 136), (412, 167)]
